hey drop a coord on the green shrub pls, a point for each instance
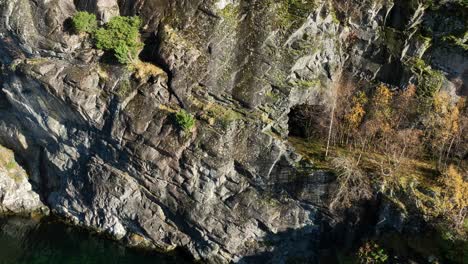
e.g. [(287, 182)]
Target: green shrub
[(185, 120), (371, 253), (120, 36), (291, 13), (84, 22), (429, 80)]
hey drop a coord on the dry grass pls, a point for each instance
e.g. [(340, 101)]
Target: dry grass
[(215, 111), (102, 73), (168, 108), (145, 70), (7, 159), (417, 179), (9, 166), (409, 170)]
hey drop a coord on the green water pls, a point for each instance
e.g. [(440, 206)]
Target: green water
[(49, 241)]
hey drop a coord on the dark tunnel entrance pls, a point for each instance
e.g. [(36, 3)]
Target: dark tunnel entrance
[(307, 121)]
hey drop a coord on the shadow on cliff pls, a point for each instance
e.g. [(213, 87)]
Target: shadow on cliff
[(337, 239), (320, 243), (290, 246)]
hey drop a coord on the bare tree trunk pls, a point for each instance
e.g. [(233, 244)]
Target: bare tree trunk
[(448, 151), (336, 87), (330, 127), (439, 162), (362, 151)]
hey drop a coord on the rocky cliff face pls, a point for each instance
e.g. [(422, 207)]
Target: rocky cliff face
[(16, 194), (100, 145)]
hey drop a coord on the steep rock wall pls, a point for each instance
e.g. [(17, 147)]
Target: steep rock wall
[(101, 145)]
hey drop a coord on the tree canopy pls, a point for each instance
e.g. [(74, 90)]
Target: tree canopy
[(120, 36)]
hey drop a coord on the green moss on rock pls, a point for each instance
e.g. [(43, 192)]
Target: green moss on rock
[(429, 80), (291, 13), (230, 14)]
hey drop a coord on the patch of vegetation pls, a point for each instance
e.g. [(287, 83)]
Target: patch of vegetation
[(334, 17), (224, 115), (405, 154), (120, 36), (311, 150), (371, 253), (184, 120), (394, 40), (305, 46), (411, 169), (306, 84), (435, 5), (429, 80), (124, 88), (457, 41), (14, 64), (454, 198), (274, 96), (230, 14), (84, 22), (10, 165), (102, 73), (291, 13), (167, 108), (454, 247), (217, 112), (35, 61), (145, 70), (424, 41), (353, 183)]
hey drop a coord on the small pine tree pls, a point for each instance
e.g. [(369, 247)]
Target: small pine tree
[(84, 22), (120, 36)]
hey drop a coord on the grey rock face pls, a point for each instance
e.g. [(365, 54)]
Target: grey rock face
[(104, 9), (16, 194), (102, 146)]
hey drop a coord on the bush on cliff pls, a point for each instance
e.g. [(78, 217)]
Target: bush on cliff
[(185, 120), (84, 22), (120, 36)]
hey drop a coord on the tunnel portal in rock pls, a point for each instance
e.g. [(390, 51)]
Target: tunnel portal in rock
[(308, 121)]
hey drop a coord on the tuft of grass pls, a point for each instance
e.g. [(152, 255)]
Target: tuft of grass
[(215, 111), (10, 165), (185, 120), (102, 73), (167, 108), (307, 84), (124, 88), (145, 70), (36, 61)]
